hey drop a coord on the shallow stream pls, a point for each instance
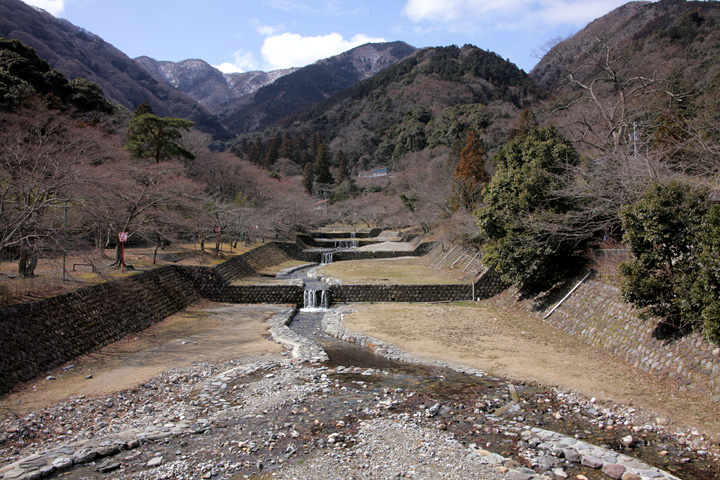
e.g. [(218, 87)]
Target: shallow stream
[(468, 403)]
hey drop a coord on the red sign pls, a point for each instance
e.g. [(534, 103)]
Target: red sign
[(123, 236)]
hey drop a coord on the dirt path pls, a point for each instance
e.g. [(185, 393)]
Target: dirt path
[(509, 343), (206, 332)]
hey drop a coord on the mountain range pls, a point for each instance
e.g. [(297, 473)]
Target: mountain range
[(78, 53), (379, 100), (191, 89), (250, 101), (215, 90)]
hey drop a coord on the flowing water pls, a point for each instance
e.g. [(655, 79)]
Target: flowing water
[(471, 397)]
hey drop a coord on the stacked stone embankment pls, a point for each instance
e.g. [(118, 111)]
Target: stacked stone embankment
[(596, 313), (401, 293), (41, 335), (38, 336), (371, 233)]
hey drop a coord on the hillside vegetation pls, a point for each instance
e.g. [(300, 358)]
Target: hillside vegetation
[(78, 53), (75, 171)]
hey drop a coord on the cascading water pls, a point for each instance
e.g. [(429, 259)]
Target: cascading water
[(326, 258), (347, 243), (316, 299)]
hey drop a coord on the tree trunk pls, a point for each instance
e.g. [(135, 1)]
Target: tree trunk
[(158, 244), (27, 263), (118, 255)]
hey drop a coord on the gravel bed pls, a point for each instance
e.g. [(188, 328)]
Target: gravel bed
[(290, 416)]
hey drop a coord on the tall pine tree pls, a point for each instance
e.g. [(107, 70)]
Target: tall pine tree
[(309, 177), (322, 165)]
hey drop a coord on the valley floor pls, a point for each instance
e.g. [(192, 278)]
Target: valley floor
[(268, 416)]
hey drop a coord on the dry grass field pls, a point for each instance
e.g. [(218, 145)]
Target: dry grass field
[(403, 270), (89, 268)]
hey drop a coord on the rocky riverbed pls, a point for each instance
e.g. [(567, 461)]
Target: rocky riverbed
[(297, 416)]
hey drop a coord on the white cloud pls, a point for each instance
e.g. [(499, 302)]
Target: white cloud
[(266, 30), (56, 7), (510, 14), (242, 62), (293, 50)]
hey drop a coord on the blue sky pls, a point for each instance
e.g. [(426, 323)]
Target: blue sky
[(272, 34)]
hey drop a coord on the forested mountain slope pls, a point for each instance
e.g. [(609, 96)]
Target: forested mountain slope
[(78, 53), (312, 84), (429, 99)]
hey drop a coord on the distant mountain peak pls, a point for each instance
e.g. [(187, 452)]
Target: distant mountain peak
[(75, 52), (212, 88)]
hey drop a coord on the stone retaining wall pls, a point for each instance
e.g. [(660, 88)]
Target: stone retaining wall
[(277, 294), (488, 285), (329, 243), (400, 293), (372, 233), (39, 336), (346, 255), (596, 313), (251, 262)]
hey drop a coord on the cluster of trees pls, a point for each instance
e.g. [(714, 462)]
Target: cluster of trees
[(639, 165), (673, 233), (510, 83), (74, 173), (24, 76), (67, 185), (294, 149)]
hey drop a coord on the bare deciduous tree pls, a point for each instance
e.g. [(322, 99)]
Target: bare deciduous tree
[(41, 158)]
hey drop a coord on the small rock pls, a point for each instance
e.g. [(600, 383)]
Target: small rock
[(559, 473), (107, 466), (516, 475), (572, 455), (592, 462), (627, 441), (546, 463), (613, 470), (45, 471), (432, 411), (14, 473), (630, 476), (62, 463), (85, 456), (155, 462)]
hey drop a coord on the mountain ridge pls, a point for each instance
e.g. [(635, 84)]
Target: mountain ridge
[(77, 52), (313, 84), (205, 83)]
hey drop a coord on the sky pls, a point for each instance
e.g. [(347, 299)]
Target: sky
[(240, 35)]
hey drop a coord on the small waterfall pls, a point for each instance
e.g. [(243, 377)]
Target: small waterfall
[(352, 235), (316, 299), (347, 243), (326, 258)]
